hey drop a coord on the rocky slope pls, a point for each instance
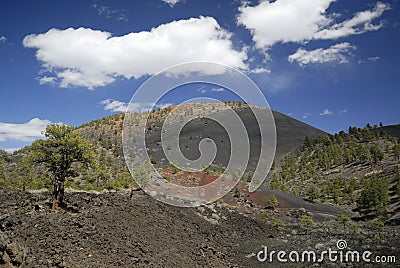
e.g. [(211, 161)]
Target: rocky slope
[(320, 179), (134, 230)]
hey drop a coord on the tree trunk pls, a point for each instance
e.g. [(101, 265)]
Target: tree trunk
[(55, 195), (61, 192)]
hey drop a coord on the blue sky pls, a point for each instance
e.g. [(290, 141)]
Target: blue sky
[(332, 64)]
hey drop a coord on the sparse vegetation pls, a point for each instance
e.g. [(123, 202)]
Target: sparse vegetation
[(396, 150), (307, 223), (321, 171), (311, 172), (354, 227), (3, 157), (265, 215), (378, 225), (273, 202), (353, 170), (278, 224), (343, 219)]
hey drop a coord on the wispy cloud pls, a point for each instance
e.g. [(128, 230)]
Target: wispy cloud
[(260, 70), (370, 59), (109, 12), (122, 107), (337, 53), (326, 112), (361, 22), (373, 59), (342, 111), (3, 39), (202, 90), (171, 3), (47, 80), (279, 81), (23, 132)]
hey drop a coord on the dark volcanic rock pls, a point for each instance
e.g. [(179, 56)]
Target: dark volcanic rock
[(290, 136), (113, 230)]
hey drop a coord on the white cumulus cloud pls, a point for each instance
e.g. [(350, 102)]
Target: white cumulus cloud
[(284, 20), (300, 21), (3, 39), (336, 53), (23, 132), (92, 58), (114, 105)]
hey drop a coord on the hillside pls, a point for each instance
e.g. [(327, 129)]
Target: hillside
[(323, 188), (392, 130), (134, 230), (291, 133), (309, 163), (329, 169), (112, 173)]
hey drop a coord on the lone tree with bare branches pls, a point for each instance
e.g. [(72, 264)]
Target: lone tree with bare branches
[(62, 148)]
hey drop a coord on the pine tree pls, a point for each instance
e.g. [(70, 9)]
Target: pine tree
[(378, 225), (397, 179), (278, 224), (308, 142), (375, 194), (363, 154), (2, 172), (306, 223), (376, 154), (4, 157), (313, 192), (342, 218), (26, 174), (396, 150), (273, 202), (62, 148)]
